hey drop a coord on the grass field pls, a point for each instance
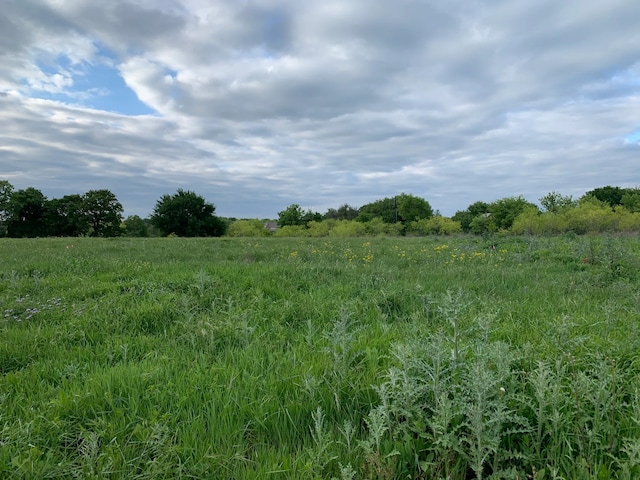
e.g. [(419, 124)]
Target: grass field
[(450, 358)]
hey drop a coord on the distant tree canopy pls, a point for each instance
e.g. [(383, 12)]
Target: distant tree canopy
[(608, 194), (344, 212), (104, 213), (293, 215), (186, 214), (28, 213), (67, 216), (616, 196), (554, 202), (466, 217), (134, 226), (481, 217), (403, 208)]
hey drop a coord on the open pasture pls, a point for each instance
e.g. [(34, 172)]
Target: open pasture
[(462, 357)]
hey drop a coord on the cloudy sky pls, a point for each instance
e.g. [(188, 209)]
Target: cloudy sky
[(258, 104)]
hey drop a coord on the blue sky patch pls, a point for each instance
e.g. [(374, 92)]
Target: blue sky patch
[(95, 85), (633, 137)]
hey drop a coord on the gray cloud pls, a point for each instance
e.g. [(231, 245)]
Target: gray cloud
[(269, 102)]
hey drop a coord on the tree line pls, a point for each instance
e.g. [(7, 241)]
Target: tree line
[(98, 213)]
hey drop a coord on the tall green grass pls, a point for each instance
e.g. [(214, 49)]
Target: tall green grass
[(464, 357)]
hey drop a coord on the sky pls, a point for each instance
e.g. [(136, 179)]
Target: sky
[(259, 104)]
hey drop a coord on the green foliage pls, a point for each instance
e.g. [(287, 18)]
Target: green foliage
[(346, 228), (6, 190), (589, 216), (466, 217), (437, 225), (609, 195), (134, 226), (291, 231), (104, 213), (344, 212), (631, 200), (26, 214), (320, 229), (386, 209), (555, 202), (377, 227), (186, 214), (294, 215), (290, 216), (403, 208), (247, 228), (66, 216), (481, 224), (412, 208), (505, 210)]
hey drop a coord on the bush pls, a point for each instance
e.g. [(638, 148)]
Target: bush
[(247, 228), (436, 226)]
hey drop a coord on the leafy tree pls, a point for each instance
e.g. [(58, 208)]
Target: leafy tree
[(344, 212), (186, 214), (481, 224), (554, 202), (6, 189), (412, 208), (310, 216), (134, 226), (631, 200), (385, 208), (291, 216), (403, 208), (26, 211), (608, 194), (505, 210), (104, 213), (465, 217), (66, 216)]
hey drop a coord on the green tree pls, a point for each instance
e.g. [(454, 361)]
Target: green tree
[(631, 200), (466, 217), (26, 213), (412, 208), (608, 194), (310, 216), (291, 216), (66, 216), (554, 202), (344, 212), (403, 208), (104, 213), (6, 189), (134, 226), (385, 208), (186, 214), (505, 210)]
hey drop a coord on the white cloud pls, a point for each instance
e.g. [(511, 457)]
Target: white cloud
[(264, 103)]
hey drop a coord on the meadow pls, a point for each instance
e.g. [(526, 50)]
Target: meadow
[(393, 358)]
